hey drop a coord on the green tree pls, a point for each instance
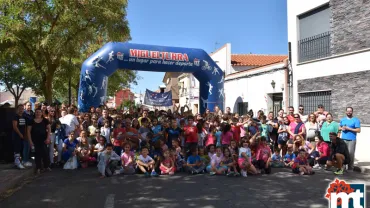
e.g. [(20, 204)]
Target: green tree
[(14, 76), (48, 32)]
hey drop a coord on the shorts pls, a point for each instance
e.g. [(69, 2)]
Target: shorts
[(346, 160), (281, 141), (241, 162)]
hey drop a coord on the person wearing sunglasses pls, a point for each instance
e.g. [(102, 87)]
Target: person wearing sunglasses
[(296, 127), (301, 114)]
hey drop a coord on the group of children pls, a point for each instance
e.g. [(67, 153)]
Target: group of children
[(165, 150), (160, 143)]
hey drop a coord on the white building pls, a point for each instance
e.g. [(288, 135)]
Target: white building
[(330, 50), (189, 92), (253, 81)]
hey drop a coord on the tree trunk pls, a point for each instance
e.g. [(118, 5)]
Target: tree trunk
[(48, 87)]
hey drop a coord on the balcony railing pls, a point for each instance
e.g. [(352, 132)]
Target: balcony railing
[(314, 47)]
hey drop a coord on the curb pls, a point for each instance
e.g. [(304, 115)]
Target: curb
[(362, 169), (15, 183)]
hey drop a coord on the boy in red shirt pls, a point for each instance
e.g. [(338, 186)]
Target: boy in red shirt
[(191, 134), (235, 128)]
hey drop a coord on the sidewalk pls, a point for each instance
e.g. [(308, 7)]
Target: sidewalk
[(11, 178), (362, 167)]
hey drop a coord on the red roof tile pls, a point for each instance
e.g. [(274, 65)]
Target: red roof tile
[(255, 59)]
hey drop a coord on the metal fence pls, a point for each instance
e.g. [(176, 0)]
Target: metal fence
[(310, 101), (314, 47)]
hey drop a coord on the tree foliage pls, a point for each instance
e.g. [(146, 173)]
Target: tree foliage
[(48, 33), (15, 76)]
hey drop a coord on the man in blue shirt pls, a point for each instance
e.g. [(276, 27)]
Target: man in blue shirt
[(350, 126)]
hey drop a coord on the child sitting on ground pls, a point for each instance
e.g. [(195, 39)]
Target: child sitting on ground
[(228, 161), (194, 163), (204, 157), (108, 161), (300, 165), (245, 159), (145, 163), (167, 166), (128, 160), (276, 160), (289, 158), (180, 161), (215, 167)]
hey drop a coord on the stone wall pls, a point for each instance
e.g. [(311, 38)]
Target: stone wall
[(350, 25), (351, 89)]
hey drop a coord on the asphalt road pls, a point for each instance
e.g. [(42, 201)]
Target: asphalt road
[(84, 189)]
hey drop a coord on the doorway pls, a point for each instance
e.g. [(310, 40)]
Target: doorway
[(277, 103)]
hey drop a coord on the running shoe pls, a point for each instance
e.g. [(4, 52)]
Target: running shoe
[(339, 172), (212, 173), (154, 174)]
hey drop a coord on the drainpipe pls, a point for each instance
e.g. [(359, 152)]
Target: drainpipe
[(286, 85), (289, 76)]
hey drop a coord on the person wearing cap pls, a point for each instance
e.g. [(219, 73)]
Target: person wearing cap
[(339, 154), (321, 115)]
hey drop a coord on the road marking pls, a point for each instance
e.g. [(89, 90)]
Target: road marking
[(109, 201)]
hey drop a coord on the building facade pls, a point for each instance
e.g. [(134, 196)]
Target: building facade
[(188, 87), (252, 81), (170, 79), (330, 50), (123, 95)]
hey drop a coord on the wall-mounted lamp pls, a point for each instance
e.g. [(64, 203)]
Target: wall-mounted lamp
[(282, 86), (273, 84)]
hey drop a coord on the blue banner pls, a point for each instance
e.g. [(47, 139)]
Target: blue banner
[(129, 56), (158, 99)]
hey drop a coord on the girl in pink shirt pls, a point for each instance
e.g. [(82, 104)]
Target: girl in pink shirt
[(128, 160), (226, 136), (167, 166), (211, 139)]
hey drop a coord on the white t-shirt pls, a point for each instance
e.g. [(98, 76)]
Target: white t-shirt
[(246, 150), (70, 121), (99, 147), (146, 159)]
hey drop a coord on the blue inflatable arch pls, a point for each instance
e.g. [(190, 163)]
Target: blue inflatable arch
[(112, 56)]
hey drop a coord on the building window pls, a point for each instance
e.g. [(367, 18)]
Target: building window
[(310, 101), (243, 108), (314, 34)]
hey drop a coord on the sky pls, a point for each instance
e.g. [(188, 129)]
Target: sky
[(251, 26)]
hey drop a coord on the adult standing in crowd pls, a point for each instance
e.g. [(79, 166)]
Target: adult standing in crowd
[(321, 114), (301, 113), (312, 129), (329, 126), (350, 126), (105, 116), (144, 115), (296, 127), (53, 125), (218, 111), (274, 123), (70, 121), (39, 136), (28, 112), (19, 136), (290, 116)]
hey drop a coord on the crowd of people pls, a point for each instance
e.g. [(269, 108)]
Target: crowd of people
[(164, 143)]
